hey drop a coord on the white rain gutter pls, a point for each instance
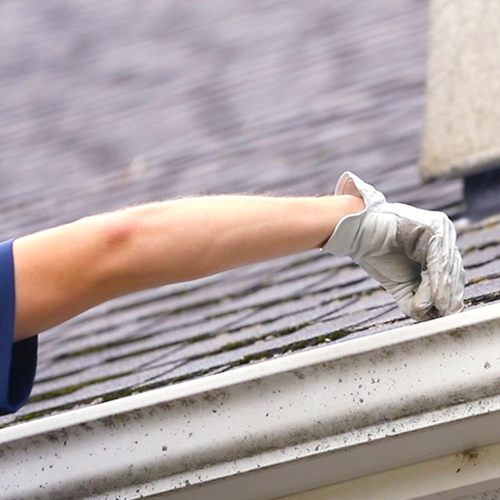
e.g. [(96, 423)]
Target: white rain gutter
[(274, 428)]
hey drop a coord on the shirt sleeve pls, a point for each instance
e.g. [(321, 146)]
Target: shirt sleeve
[(17, 360)]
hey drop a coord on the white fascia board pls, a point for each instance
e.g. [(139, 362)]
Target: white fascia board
[(278, 427), (472, 475)]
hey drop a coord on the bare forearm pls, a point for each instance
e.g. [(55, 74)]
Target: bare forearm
[(211, 234), (64, 271)]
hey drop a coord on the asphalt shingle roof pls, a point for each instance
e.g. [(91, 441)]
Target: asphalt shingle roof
[(115, 103)]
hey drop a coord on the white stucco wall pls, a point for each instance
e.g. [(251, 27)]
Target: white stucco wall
[(463, 88)]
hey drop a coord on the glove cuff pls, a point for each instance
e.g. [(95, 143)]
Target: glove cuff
[(342, 241), (351, 184)]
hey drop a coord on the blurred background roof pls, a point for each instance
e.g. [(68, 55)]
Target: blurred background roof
[(110, 104)]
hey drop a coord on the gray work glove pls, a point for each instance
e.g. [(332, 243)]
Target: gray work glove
[(411, 252)]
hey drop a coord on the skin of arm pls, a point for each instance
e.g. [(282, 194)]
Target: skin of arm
[(64, 271)]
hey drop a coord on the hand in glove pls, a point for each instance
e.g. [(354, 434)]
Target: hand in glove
[(411, 252)]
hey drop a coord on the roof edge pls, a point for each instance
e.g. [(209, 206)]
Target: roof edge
[(301, 421)]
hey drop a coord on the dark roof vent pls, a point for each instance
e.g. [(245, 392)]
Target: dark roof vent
[(482, 194)]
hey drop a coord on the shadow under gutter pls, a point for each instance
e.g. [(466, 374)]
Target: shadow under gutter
[(274, 428)]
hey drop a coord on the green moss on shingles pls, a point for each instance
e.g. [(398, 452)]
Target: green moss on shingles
[(121, 343), (206, 336), (116, 394), (58, 377), (110, 396), (289, 348), (247, 359), (96, 348), (486, 298), (75, 387), (479, 247), (228, 347)]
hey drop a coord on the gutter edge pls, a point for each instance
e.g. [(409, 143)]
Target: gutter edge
[(325, 406)]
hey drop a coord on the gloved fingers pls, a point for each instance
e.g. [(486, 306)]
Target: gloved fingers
[(422, 301), (433, 264), (444, 292), (449, 298), (448, 267), (449, 244), (403, 294), (458, 285)]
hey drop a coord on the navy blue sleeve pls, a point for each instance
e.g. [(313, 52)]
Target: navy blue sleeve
[(17, 360)]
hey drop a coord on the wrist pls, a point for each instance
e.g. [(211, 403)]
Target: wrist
[(356, 203), (348, 213), (349, 205)]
